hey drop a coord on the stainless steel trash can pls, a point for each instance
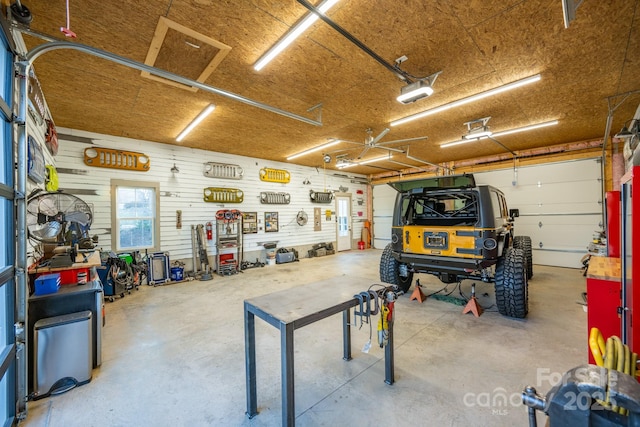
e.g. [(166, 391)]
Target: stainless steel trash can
[(64, 353)]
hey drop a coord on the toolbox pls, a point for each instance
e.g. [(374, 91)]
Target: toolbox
[(47, 284)]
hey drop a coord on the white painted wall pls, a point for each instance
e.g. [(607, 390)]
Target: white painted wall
[(184, 191)]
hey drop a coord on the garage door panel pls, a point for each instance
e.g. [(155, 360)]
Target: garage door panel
[(384, 198), (559, 259), (577, 171), (527, 209), (569, 192)]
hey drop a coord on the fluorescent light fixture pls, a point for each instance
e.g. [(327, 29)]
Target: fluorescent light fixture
[(526, 128), (501, 133), (199, 118), (363, 162), (314, 149), (293, 34), (467, 100)]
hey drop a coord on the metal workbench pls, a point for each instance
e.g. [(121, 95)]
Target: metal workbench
[(292, 309)]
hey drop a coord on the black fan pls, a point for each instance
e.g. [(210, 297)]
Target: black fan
[(58, 218)]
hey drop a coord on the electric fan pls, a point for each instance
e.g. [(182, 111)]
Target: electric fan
[(302, 218), (58, 218)]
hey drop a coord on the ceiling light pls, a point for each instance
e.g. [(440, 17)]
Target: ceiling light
[(314, 149), (292, 34), (501, 133), (418, 90), (467, 100), (348, 164), (526, 128), (199, 118)]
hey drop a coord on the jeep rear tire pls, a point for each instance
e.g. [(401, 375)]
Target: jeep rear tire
[(524, 243), (390, 270), (511, 284)]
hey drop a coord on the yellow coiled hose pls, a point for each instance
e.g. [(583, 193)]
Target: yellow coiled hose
[(612, 355)]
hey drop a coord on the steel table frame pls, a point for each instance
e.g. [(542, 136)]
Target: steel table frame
[(294, 316)]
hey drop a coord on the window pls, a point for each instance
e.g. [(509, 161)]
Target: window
[(134, 215)]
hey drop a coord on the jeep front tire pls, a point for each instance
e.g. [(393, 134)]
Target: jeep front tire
[(511, 284), (390, 270)]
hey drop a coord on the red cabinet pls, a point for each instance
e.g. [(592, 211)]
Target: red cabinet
[(603, 297)]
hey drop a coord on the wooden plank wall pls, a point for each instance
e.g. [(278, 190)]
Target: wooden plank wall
[(184, 191)]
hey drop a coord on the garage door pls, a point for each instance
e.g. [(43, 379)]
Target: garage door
[(384, 196), (559, 207)]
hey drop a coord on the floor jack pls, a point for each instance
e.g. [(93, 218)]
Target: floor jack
[(579, 399)]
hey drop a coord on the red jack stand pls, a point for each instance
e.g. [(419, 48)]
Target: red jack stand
[(472, 305), (417, 293)]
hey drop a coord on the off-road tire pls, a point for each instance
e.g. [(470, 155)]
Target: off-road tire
[(524, 243), (389, 270), (512, 296)]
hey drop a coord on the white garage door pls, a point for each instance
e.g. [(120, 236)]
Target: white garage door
[(384, 196), (559, 207)]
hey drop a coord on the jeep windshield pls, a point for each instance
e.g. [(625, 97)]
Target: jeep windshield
[(440, 208)]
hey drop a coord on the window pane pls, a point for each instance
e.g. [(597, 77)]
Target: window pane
[(136, 233), (4, 395), (4, 214), (135, 202)]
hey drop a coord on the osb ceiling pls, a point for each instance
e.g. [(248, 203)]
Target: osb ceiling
[(477, 44)]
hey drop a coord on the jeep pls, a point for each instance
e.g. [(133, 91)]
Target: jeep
[(452, 228)]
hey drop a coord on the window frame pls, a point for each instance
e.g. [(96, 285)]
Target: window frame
[(155, 186)]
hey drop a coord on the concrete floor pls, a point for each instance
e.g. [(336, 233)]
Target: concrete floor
[(173, 355)]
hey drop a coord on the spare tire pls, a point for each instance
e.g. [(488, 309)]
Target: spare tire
[(390, 270)]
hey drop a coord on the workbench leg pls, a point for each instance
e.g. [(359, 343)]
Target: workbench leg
[(389, 374), (250, 362), (288, 390), (346, 334)]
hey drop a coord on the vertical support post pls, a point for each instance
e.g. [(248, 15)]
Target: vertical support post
[(22, 70), (250, 361), (389, 374), (288, 387), (346, 335)]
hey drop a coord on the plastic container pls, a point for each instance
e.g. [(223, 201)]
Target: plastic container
[(47, 284), (361, 245), (177, 273)]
